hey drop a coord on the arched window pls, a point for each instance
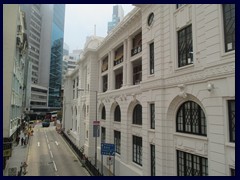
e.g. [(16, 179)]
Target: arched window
[(117, 114), (103, 113), (191, 119), (137, 115)]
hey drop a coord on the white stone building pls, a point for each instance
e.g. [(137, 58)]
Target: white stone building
[(165, 79)]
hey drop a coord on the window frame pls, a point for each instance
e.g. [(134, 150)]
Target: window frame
[(186, 160), (183, 36), (137, 150), (232, 135), (182, 124), (137, 115), (152, 115), (151, 58), (103, 113), (103, 134), (117, 141), (117, 113), (153, 159), (227, 35)]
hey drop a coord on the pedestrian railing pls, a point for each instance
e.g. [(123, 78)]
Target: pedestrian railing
[(84, 160)]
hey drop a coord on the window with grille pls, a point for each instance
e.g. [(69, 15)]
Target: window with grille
[(117, 141), (118, 80), (151, 54), (185, 49), (152, 116), (191, 119), (229, 26), (103, 134), (137, 150), (105, 83), (153, 169), (117, 114), (191, 165), (137, 74), (231, 119), (137, 114), (103, 113)]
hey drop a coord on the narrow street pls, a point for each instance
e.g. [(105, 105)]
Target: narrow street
[(49, 155)]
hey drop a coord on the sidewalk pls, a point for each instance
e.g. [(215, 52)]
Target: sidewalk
[(106, 171), (19, 154)]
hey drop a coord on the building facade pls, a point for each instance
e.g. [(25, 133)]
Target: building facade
[(14, 56), (55, 72), (163, 86)]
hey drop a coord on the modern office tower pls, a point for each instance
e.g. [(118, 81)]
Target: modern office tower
[(15, 45), (33, 30), (57, 34), (117, 16)]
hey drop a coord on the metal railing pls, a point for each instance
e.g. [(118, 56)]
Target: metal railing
[(83, 159)]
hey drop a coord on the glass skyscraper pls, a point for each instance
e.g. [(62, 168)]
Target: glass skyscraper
[(56, 55)]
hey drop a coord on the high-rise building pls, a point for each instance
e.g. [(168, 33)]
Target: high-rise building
[(117, 16), (15, 45), (57, 35)]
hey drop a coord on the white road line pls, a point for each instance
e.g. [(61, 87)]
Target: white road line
[(48, 146), (47, 141), (56, 143), (51, 154), (55, 166), (38, 144)]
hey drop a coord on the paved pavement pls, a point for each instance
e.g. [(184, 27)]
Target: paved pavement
[(19, 155), (106, 171)]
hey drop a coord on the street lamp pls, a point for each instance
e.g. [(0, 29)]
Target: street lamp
[(96, 134)]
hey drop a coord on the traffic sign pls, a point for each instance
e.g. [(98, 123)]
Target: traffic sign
[(107, 149)]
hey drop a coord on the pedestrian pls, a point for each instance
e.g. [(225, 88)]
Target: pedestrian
[(22, 141), (17, 140)]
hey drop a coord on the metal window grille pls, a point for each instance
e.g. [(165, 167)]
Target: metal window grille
[(231, 119), (191, 119), (152, 115), (153, 168), (229, 26), (191, 165), (151, 50), (117, 141), (185, 54), (137, 150)]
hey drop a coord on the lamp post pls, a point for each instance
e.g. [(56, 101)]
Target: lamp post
[(97, 129)]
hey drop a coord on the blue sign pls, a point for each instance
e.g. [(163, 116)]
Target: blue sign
[(107, 149)]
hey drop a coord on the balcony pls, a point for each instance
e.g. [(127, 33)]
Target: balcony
[(118, 61), (136, 50)]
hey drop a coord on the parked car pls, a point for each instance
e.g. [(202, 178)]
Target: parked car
[(46, 123)]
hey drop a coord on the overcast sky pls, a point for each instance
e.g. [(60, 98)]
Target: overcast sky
[(80, 20)]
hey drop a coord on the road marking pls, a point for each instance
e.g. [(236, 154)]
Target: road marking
[(51, 154), (47, 141), (38, 144), (56, 143), (48, 146), (55, 166)]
